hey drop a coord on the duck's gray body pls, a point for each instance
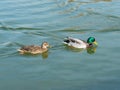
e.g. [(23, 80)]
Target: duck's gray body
[(74, 42)]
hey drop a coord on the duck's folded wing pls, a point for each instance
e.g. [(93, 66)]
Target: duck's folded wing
[(27, 48), (73, 40)]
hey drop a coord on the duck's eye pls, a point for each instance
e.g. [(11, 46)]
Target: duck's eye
[(46, 44)]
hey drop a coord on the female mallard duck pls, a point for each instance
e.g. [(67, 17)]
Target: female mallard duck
[(32, 49), (78, 43)]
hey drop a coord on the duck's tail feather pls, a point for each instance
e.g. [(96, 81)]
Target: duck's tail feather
[(66, 40), (19, 50)]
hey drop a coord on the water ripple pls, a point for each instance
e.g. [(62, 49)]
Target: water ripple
[(27, 22)]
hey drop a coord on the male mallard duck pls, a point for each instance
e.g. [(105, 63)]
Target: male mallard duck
[(32, 49), (78, 43)]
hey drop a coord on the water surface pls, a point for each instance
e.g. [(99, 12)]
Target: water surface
[(26, 22)]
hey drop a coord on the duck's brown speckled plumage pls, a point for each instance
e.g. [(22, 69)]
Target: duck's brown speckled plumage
[(33, 49)]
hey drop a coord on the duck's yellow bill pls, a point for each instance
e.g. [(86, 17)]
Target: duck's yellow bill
[(95, 43)]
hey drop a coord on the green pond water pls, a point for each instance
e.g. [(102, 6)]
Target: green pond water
[(26, 22)]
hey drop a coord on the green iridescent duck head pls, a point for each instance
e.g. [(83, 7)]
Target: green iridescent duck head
[(91, 40)]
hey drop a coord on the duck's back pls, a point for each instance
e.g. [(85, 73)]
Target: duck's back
[(32, 49), (74, 42)]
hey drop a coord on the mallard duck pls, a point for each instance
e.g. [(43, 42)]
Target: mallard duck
[(33, 49), (78, 43)]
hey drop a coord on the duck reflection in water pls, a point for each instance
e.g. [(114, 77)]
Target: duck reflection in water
[(90, 50), (45, 55)]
